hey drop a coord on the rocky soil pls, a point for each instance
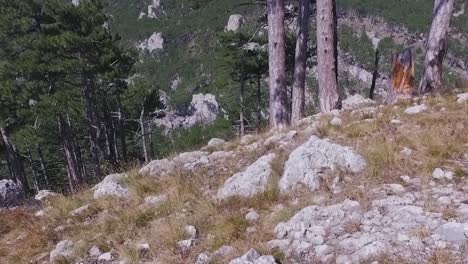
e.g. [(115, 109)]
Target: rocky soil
[(356, 186)]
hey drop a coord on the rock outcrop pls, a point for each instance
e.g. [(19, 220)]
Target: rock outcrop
[(309, 162), (253, 257), (154, 42), (250, 182), (10, 194), (203, 109), (112, 185), (234, 23), (63, 252)]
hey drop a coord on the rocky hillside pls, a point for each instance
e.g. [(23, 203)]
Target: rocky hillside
[(368, 184), (181, 54)]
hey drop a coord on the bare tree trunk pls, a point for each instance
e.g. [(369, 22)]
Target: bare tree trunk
[(327, 55), (298, 89), (122, 130), (375, 74), (143, 136), (43, 166), (74, 175), (33, 171), (241, 99), (436, 46), (14, 162), (277, 65), (259, 99), (92, 119)]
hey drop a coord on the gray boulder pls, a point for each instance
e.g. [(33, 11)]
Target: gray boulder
[(461, 98), (234, 23), (454, 232), (154, 42), (64, 251), (416, 109), (249, 182), (45, 195), (357, 101), (314, 159), (253, 257), (112, 185), (10, 194)]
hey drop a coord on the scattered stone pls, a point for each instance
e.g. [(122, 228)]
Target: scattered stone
[(94, 252), (10, 194), (64, 250), (406, 152), (336, 121), (234, 23), (252, 216), (155, 200), (113, 186), (216, 142), (143, 248), (154, 42), (45, 195), (308, 163), (356, 101), (80, 211), (185, 245), (416, 109), (253, 257), (440, 174), (396, 122), (253, 180), (461, 98), (190, 231), (106, 257)]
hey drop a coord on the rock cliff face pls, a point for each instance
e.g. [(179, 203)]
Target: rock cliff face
[(10, 194), (203, 109)]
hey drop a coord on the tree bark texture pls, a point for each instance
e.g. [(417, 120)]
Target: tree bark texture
[(436, 46), (73, 168), (298, 89), (14, 162), (327, 55), (277, 65)]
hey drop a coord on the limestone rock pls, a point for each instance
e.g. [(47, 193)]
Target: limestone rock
[(63, 251), (253, 180), (234, 23), (253, 257), (336, 121), (45, 195), (461, 98), (455, 232), (252, 216), (190, 231), (203, 109), (154, 42), (155, 200), (357, 101), (80, 211), (112, 185), (216, 142), (94, 252), (416, 109), (309, 162), (106, 257), (10, 194)]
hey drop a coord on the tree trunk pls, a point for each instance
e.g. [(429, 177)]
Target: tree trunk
[(436, 46), (327, 55), (74, 175), (375, 74), (259, 99), (143, 136), (277, 65), (33, 171), (122, 130), (92, 120), (14, 162), (298, 89), (241, 99), (43, 166)]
